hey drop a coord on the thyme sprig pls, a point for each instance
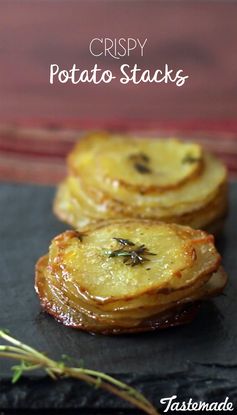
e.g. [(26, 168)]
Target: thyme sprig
[(141, 163), (31, 359), (131, 253), (188, 158), (124, 242)]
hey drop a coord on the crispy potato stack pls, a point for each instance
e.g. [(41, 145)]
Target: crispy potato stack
[(128, 276), (111, 177)]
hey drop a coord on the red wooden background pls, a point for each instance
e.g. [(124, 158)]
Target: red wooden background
[(197, 36)]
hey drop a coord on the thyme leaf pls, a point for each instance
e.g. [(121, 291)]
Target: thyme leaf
[(141, 168), (124, 241), (31, 359), (133, 254), (139, 157), (140, 163), (190, 159)]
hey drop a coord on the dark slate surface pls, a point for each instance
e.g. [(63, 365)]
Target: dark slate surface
[(198, 361)]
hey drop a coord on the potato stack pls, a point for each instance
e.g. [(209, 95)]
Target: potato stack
[(114, 176), (128, 275)]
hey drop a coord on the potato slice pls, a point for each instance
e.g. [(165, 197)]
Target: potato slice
[(63, 309), (190, 195), (91, 268), (184, 185), (80, 284), (54, 302), (143, 165), (193, 272), (80, 212)]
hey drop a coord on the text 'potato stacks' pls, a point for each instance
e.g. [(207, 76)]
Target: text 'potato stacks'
[(128, 275), (114, 176)]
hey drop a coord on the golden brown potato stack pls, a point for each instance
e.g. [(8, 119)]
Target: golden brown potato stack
[(114, 176), (128, 275)]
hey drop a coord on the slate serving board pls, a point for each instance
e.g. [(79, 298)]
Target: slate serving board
[(198, 360)]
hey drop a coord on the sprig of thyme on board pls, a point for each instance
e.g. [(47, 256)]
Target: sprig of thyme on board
[(31, 359), (132, 254)]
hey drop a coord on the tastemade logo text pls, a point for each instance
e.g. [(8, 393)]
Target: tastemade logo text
[(171, 404), (116, 49)]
